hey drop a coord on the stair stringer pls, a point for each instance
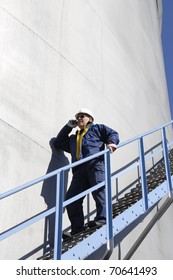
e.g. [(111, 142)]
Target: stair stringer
[(95, 246)]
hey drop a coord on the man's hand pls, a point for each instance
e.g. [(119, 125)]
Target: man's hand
[(72, 123), (112, 147)]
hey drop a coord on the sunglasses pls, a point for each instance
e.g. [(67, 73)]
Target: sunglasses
[(81, 116)]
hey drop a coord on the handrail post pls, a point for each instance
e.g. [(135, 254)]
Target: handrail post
[(143, 174), (166, 159), (58, 215), (108, 201)]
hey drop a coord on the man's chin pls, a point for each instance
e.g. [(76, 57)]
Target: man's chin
[(81, 126)]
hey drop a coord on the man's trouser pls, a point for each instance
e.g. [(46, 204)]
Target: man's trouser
[(84, 177)]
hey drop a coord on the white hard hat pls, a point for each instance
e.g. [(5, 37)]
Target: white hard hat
[(85, 111)]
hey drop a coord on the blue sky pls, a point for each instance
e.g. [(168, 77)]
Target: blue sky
[(167, 41)]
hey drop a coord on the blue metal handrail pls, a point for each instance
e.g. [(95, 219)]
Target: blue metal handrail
[(59, 173)]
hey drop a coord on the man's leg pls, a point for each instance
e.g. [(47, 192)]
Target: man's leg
[(75, 209), (97, 175), (99, 197)]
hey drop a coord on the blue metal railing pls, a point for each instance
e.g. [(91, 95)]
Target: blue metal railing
[(59, 173)]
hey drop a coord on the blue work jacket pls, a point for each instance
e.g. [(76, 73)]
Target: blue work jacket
[(92, 142)]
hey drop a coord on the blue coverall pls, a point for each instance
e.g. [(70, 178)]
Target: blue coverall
[(89, 173)]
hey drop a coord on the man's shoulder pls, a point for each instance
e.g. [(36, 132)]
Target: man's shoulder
[(96, 125), (97, 128)]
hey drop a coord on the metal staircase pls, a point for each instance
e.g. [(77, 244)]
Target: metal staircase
[(127, 213), (123, 215)]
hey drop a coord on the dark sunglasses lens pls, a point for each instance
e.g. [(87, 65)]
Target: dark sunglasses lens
[(80, 116)]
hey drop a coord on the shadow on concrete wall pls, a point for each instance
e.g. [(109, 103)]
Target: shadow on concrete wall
[(58, 160)]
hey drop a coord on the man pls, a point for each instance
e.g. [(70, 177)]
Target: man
[(89, 140)]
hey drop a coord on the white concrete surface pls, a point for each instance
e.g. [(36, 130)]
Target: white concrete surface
[(57, 56)]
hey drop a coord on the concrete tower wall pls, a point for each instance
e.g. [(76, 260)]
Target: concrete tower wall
[(57, 56)]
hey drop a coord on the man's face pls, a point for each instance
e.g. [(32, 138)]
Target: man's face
[(82, 120)]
